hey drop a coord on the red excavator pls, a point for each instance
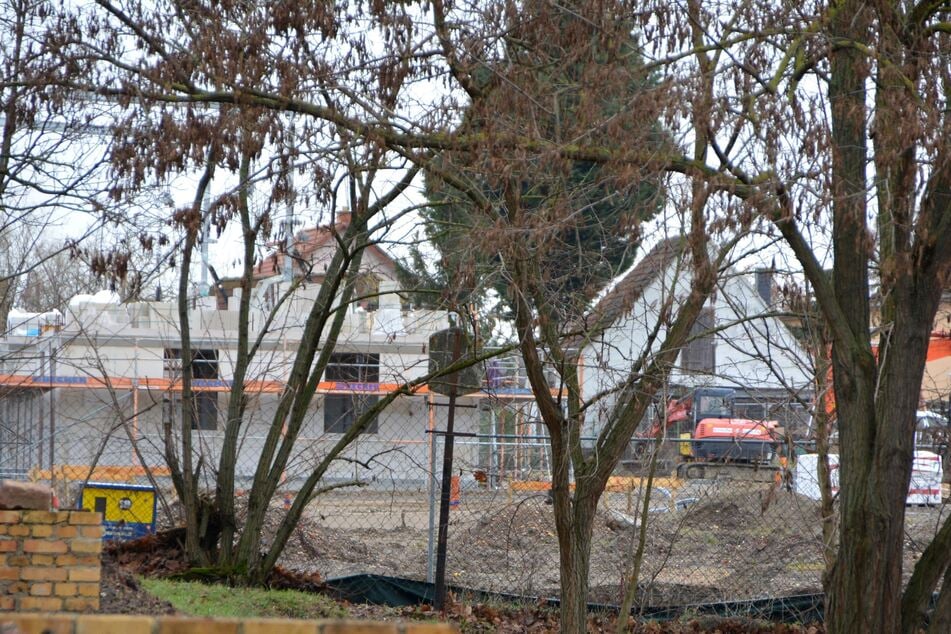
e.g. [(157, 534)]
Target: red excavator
[(707, 440)]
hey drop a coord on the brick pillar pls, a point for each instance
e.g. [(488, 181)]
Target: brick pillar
[(50, 560)]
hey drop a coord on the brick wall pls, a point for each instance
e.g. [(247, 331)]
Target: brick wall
[(108, 624), (50, 560)]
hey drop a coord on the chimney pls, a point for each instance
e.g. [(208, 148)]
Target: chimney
[(343, 218), (764, 284)]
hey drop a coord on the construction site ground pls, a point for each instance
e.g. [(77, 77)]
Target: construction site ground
[(497, 539), (724, 541)]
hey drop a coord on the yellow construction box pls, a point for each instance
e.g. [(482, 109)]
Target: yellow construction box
[(128, 510)]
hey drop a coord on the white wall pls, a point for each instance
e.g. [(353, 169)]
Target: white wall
[(91, 427), (753, 351), (607, 361)]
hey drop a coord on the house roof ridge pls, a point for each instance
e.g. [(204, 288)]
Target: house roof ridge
[(629, 288)]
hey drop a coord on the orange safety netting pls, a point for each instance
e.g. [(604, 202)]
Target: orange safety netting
[(939, 347)]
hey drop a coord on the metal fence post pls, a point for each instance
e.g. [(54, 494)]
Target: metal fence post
[(52, 416), (431, 537)]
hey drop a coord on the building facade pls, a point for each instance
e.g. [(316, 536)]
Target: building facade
[(737, 342), (95, 393)]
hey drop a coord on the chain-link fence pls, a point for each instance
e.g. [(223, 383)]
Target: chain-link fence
[(706, 539)]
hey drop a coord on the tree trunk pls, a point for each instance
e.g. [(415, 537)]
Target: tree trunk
[(877, 395), (187, 479), (928, 570), (225, 485), (296, 396), (877, 431), (862, 595), (876, 408), (637, 559), (188, 489), (865, 592), (941, 618), (574, 539)]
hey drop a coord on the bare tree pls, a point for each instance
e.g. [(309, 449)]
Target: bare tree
[(532, 215), (565, 65), (259, 147), (52, 161), (776, 103), (798, 91), (785, 128), (51, 275)]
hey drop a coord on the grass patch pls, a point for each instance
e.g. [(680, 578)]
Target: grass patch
[(200, 599)]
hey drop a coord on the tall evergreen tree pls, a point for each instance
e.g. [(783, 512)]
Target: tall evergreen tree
[(592, 211)]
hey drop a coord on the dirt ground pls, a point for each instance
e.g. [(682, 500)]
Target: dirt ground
[(707, 541), (731, 541), (122, 593)]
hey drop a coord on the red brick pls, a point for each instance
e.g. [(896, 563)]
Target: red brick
[(18, 530), (44, 546), (18, 586), (18, 560), (42, 530), (10, 517), (114, 624), (41, 604), (84, 518), (81, 604), (359, 627), (42, 560), (174, 625), (41, 589), (9, 574), (8, 545), (41, 624), (279, 626), (34, 573), (85, 546), (6, 604), (84, 574), (66, 589), (73, 560)]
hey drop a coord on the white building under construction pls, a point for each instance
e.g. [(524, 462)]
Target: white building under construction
[(92, 393)]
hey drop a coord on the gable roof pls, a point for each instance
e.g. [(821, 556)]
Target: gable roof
[(305, 244), (620, 299)]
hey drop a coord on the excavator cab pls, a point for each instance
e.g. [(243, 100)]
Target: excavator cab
[(704, 403), (713, 402)]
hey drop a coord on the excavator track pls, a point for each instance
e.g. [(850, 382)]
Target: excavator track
[(749, 472)]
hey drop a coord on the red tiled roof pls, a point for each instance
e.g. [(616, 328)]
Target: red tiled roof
[(306, 242)]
